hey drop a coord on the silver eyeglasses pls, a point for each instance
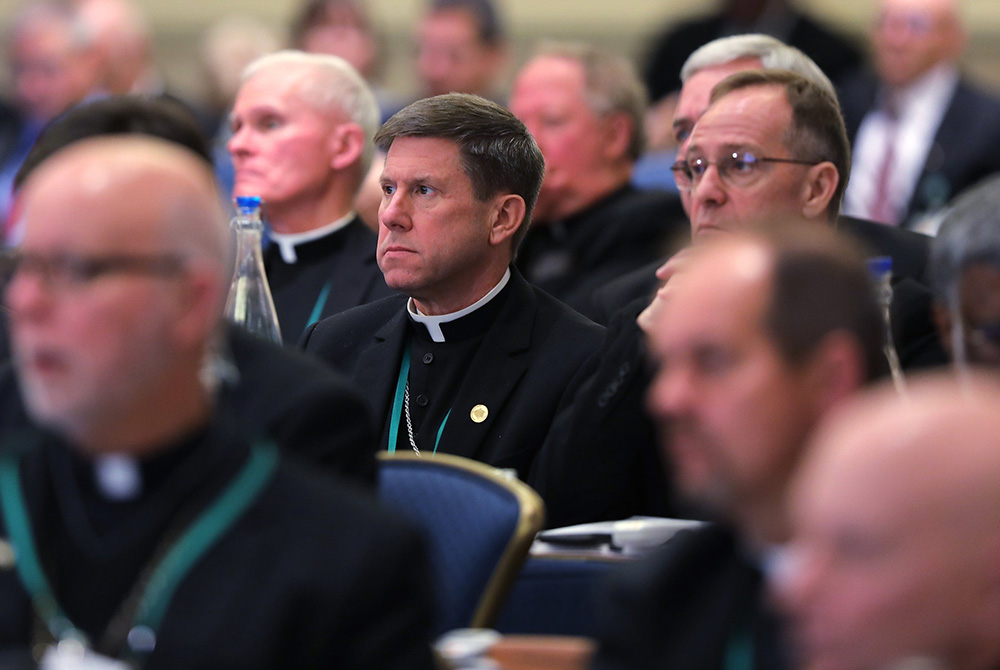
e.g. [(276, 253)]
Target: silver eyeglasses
[(737, 168)]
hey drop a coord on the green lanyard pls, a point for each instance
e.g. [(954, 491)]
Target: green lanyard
[(739, 650), (397, 406), (168, 574), (320, 303)]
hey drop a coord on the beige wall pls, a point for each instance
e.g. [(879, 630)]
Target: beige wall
[(625, 25)]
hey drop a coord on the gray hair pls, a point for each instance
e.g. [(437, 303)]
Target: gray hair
[(612, 85), (773, 54), (970, 233), (334, 86)]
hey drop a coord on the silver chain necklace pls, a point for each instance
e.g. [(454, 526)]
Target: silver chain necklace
[(409, 423)]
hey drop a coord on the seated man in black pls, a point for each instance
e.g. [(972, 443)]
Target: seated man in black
[(302, 140), (760, 336), (471, 360), (145, 524), (585, 107), (307, 409)]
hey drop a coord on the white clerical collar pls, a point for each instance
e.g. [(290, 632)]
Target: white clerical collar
[(433, 323), (286, 242)]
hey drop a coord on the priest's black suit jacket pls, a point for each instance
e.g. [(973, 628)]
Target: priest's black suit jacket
[(520, 373), (314, 574), (687, 607)]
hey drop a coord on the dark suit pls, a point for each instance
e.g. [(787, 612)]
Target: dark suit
[(909, 252), (520, 371), (311, 575), (915, 335), (308, 410), (834, 54), (687, 607), (626, 229), (602, 460), (965, 149), (343, 260)]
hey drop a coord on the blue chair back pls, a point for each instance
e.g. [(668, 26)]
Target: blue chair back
[(478, 523)]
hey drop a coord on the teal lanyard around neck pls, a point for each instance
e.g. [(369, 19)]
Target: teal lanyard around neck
[(167, 574), (398, 409), (739, 650), (320, 303)]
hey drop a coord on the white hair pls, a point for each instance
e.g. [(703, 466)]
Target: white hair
[(334, 86), (773, 54)]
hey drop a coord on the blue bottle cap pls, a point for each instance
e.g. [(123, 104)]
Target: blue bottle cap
[(247, 202), (879, 265)]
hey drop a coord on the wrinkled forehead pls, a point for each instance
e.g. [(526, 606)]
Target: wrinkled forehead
[(756, 116)]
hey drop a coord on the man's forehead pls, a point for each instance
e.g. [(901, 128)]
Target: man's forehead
[(730, 281), (932, 8), (416, 156), (754, 111)]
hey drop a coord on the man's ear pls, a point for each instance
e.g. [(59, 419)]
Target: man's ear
[(836, 369), (507, 216), (618, 135), (818, 189), (199, 300), (942, 320), (346, 143)]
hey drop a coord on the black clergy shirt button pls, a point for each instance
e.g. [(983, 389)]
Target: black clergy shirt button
[(428, 358), (422, 399)]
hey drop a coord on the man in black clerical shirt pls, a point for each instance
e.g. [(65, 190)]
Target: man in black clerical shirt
[(302, 140), (585, 107), (759, 337), (136, 516), (471, 360), (308, 409)]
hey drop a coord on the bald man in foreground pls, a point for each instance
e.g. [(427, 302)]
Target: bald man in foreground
[(135, 516), (896, 555)]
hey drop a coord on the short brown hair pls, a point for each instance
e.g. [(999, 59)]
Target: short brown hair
[(817, 133), (820, 284), (498, 153)]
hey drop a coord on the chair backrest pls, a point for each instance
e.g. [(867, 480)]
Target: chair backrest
[(479, 526)]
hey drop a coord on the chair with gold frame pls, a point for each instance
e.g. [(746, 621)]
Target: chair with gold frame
[(479, 525)]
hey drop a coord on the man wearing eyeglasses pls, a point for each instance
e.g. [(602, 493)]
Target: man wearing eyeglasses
[(752, 152), (138, 520), (921, 131)]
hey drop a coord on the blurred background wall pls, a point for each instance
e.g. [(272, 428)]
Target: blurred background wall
[(626, 26)]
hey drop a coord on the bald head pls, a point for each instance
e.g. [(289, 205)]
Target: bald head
[(897, 528), (759, 335), (117, 296), (169, 189), (911, 37)]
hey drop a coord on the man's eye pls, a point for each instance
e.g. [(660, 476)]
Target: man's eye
[(697, 166), (743, 162), (270, 122), (424, 190), (388, 189), (681, 135)]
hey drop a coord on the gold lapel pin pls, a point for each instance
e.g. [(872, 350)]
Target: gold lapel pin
[(479, 413)]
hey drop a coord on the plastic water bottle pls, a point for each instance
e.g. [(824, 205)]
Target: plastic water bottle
[(880, 268), (250, 304)]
